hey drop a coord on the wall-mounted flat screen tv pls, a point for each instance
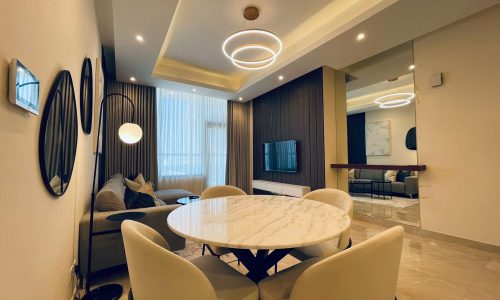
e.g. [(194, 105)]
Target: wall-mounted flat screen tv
[(24, 87), (280, 156)]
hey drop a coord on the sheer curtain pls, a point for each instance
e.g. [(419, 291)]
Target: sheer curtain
[(192, 140)]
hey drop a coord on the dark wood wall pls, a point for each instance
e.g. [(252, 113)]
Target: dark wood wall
[(293, 111)]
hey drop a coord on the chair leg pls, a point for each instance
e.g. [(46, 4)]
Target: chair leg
[(239, 262), (203, 250), (275, 268), (350, 244)]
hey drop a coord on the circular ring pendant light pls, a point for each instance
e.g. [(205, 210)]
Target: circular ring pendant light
[(394, 100), (238, 44)]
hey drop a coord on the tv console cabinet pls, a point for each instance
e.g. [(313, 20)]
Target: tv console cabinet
[(279, 188)]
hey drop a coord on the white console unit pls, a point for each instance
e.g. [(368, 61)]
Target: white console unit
[(281, 188)]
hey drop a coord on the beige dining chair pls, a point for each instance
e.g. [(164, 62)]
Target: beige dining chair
[(214, 192), (368, 270), (157, 273), (339, 199)]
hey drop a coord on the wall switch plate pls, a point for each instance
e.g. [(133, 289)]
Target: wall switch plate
[(436, 79)]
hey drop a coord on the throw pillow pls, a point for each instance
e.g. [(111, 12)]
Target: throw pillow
[(390, 175), (351, 173), (400, 177), (134, 186), (140, 201), (140, 179)]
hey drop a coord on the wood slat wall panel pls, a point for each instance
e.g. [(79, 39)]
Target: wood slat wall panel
[(293, 111)]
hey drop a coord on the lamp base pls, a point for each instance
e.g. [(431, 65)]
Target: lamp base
[(105, 292)]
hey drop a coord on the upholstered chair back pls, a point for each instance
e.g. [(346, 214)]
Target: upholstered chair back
[(221, 191), (339, 199), (157, 273), (368, 270)]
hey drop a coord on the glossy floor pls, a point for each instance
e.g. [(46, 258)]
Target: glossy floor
[(430, 268)]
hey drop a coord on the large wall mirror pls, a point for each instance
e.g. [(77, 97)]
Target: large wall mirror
[(381, 131), (59, 135), (86, 94)]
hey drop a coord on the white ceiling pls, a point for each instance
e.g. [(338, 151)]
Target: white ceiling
[(202, 27), (183, 38)]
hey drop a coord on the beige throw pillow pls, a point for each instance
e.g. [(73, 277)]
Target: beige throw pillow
[(351, 173), (147, 188), (390, 175)]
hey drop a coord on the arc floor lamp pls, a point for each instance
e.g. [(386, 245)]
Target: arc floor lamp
[(129, 133)]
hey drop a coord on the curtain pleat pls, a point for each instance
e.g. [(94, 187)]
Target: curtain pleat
[(239, 136), (141, 157), (191, 140)]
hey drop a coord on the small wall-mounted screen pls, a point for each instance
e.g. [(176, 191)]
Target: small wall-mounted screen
[(280, 156), (24, 87)]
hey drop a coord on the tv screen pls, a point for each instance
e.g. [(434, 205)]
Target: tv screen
[(280, 156), (23, 87)]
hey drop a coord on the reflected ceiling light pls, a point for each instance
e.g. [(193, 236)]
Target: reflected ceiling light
[(266, 44), (132, 79), (361, 36), (139, 38), (130, 133), (411, 67), (240, 98), (280, 78), (194, 90), (394, 100)]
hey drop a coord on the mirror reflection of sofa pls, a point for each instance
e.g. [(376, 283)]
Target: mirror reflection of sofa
[(403, 183)]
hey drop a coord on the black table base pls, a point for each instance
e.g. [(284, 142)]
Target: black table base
[(258, 264), (108, 292)]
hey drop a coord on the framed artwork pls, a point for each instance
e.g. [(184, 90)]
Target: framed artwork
[(378, 138)]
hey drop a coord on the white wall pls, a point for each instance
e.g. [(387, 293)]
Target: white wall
[(401, 120), (459, 128), (37, 231)]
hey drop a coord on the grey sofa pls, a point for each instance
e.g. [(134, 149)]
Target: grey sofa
[(108, 249), (361, 183)]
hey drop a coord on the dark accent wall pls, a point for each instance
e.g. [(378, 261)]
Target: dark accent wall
[(293, 111), (356, 141)]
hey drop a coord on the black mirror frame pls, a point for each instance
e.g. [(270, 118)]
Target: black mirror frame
[(86, 119), (41, 142)]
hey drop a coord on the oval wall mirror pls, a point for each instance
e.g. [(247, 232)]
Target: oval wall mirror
[(86, 94), (59, 135)]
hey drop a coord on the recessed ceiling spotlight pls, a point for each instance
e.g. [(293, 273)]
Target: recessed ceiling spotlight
[(240, 98), (361, 36), (194, 90), (411, 67), (132, 79), (280, 78), (139, 38)]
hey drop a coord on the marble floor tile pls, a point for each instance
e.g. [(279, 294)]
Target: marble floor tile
[(431, 269)]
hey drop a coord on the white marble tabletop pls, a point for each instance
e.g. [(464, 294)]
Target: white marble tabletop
[(258, 222)]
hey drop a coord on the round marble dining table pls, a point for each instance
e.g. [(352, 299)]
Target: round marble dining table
[(258, 222)]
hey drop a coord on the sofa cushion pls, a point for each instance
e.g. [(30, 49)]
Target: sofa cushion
[(371, 174), (398, 187), (170, 196), (111, 196)]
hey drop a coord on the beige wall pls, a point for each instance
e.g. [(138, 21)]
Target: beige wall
[(37, 231), (459, 128), (401, 120)]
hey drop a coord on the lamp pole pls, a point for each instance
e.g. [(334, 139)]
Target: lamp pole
[(109, 291)]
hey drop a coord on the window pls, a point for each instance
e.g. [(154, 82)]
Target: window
[(192, 140)]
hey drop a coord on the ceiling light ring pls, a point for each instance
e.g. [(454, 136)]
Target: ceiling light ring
[(251, 31), (253, 68), (246, 64), (254, 62), (394, 100)]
